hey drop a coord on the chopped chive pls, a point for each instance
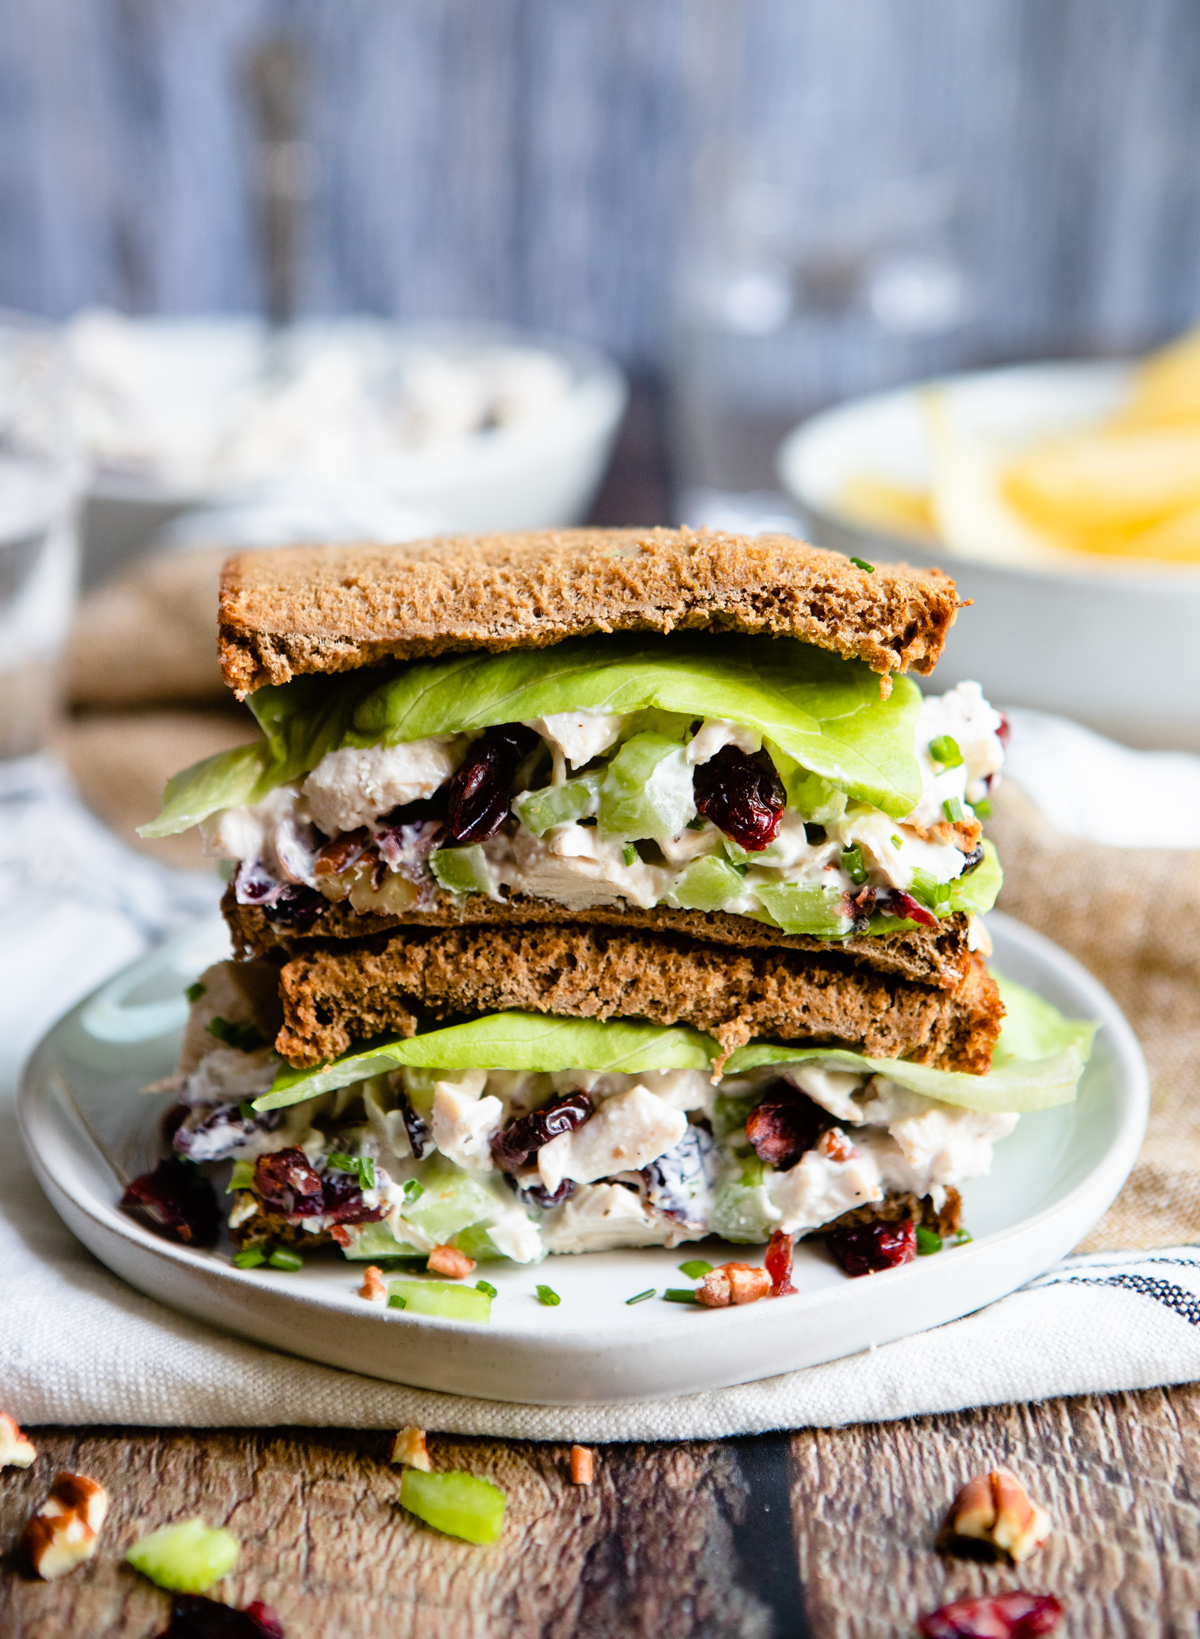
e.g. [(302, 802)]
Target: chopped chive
[(852, 864), (945, 750), (281, 1258), (343, 1163), (548, 1296), (861, 563), (963, 1237), (983, 808), (953, 810), (640, 1297), (896, 842), (629, 853), (695, 1268), (680, 1294), (927, 1241), (245, 1037), (366, 1172), (194, 992), (697, 824), (396, 1301), (413, 1191), (247, 1111), (486, 1286), (250, 1258)]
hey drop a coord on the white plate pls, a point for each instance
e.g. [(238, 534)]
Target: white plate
[(1051, 1181), (1041, 635)]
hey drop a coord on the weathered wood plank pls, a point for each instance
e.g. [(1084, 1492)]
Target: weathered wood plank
[(828, 1532)]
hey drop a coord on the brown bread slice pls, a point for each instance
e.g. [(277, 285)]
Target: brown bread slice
[(934, 956), (334, 997), (335, 608)]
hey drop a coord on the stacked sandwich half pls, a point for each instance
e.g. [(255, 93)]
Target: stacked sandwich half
[(596, 889)]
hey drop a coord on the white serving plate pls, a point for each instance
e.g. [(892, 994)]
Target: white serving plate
[(1109, 642), (1051, 1181)]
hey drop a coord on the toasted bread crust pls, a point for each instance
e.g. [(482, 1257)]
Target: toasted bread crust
[(335, 608), (934, 956), (335, 996)]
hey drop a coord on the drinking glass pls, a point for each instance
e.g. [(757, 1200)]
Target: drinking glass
[(40, 486)]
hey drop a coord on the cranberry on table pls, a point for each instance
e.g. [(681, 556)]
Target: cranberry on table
[(866, 1249), (195, 1617), (1014, 1615), (176, 1199), (479, 795), (742, 796)]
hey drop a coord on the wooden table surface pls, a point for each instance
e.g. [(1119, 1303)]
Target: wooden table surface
[(819, 1532)]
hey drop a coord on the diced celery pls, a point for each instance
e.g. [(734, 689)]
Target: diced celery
[(647, 791), (451, 1201), (375, 1241), (186, 1558), (804, 907), (730, 1112), (476, 1243), (559, 804), (741, 1205), (242, 1176), (706, 885), (462, 870), (462, 1505), (442, 1297)]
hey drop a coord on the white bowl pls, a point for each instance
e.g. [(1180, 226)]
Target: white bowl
[(1109, 642), (536, 473)]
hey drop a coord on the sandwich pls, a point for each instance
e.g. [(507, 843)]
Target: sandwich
[(600, 888)]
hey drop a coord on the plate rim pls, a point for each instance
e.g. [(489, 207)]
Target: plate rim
[(1104, 1178)]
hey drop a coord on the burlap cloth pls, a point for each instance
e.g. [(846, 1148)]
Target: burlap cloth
[(1131, 915)]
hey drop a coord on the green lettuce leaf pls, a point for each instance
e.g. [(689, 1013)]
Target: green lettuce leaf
[(819, 711), (507, 1041), (1037, 1063)]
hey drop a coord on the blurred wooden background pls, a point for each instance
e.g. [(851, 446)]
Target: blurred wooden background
[(532, 160)]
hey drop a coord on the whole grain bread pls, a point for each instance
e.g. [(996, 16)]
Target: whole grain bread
[(934, 956), (335, 996), (335, 608)]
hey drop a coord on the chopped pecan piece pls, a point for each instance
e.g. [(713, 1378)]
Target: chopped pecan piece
[(373, 1287), (995, 1508), (65, 1529), (733, 1283), (409, 1449), (449, 1261), (15, 1450)]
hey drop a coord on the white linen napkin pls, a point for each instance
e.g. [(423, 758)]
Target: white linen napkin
[(79, 1346)]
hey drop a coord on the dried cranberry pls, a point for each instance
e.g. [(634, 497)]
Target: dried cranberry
[(535, 1193), (912, 909), (479, 795), (288, 1182), (419, 1136), (342, 1201), (195, 1617), (865, 1249), (742, 796), (784, 1124), (1014, 1615), (175, 1199), (297, 906), (1004, 732), (778, 1263), (514, 1144)]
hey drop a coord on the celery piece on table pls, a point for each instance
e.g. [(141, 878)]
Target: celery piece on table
[(186, 1558), (462, 1505)]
